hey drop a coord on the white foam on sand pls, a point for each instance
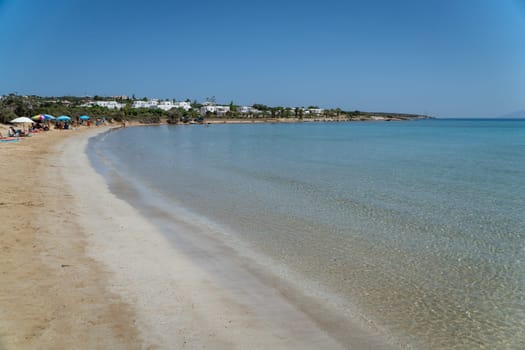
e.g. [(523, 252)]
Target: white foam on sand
[(207, 300)]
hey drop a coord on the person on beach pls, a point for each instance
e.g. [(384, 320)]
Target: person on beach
[(2, 137)]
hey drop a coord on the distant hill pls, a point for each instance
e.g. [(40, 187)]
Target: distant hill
[(515, 115)]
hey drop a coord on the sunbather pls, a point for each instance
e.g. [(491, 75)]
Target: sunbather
[(7, 138)]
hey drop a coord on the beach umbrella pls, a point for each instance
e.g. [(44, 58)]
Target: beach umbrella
[(39, 117), (49, 117), (63, 118), (22, 120), (84, 117)]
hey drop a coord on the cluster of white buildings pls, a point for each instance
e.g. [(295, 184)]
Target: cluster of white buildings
[(211, 108), (164, 105), (107, 104), (206, 109)]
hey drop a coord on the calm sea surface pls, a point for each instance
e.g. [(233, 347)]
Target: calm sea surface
[(420, 226)]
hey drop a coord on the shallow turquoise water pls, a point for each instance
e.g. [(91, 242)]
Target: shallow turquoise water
[(419, 225)]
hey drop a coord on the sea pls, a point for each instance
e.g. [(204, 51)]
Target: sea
[(415, 227)]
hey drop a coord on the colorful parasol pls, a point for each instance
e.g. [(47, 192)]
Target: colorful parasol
[(38, 117), (41, 117)]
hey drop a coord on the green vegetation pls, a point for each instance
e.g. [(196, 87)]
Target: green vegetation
[(12, 106)]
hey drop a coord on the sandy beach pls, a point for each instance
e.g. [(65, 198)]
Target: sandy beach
[(53, 294), (81, 268)]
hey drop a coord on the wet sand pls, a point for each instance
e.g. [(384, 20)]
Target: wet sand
[(84, 269)]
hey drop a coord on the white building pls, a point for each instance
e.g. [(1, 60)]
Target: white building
[(106, 104), (167, 105), (218, 110), (316, 111), (164, 105), (248, 110), (184, 105), (145, 104), (110, 104)]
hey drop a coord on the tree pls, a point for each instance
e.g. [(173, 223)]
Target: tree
[(6, 115), (260, 107), (196, 105)]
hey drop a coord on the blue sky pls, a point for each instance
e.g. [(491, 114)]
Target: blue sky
[(443, 58)]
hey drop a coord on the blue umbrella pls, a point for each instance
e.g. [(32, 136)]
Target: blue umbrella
[(49, 117), (63, 118), (84, 117)]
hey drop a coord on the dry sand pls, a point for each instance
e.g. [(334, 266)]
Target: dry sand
[(52, 294), (80, 268)]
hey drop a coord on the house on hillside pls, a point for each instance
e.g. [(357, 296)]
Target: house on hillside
[(106, 104), (247, 110), (315, 111), (213, 109), (167, 105), (184, 105), (145, 104)]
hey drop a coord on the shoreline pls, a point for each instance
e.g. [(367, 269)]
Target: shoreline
[(234, 302), (218, 121), (243, 273), (151, 292)]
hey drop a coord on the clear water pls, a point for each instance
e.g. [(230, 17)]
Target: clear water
[(420, 225)]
